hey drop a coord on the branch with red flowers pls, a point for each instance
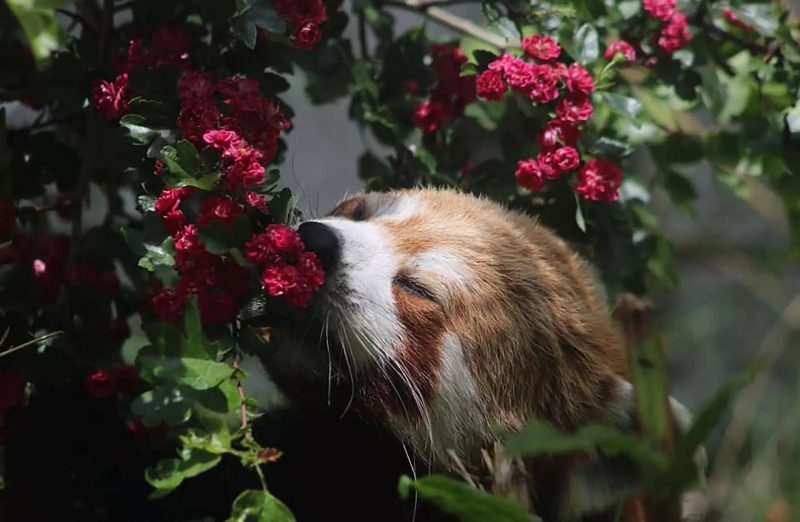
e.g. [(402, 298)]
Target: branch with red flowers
[(429, 9)]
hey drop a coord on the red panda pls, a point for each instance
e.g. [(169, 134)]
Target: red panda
[(446, 317)]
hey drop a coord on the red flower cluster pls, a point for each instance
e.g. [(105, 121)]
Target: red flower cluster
[(218, 282), (120, 381), (305, 18), (622, 48), (169, 46), (452, 92), (547, 81), (735, 21), (251, 129), (674, 34), (288, 270), (8, 218), (12, 397)]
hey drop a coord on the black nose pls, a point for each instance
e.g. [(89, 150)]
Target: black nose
[(322, 240)]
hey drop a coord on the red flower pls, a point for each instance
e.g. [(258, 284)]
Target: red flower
[(219, 208), (566, 159), (579, 80), (735, 21), (548, 166), (125, 379), (599, 180), (307, 35), (218, 308), (277, 240), (620, 47), (256, 201), (311, 269), (491, 86), (278, 280), (169, 46), (542, 48), (530, 175), (222, 140), (8, 218), (429, 117), (100, 385), (111, 98), (556, 133), (675, 33), (159, 168), (174, 221), (545, 84), (168, 306), (518, 74), (171, 199), (186, 240), (660, 9), (575, 109)]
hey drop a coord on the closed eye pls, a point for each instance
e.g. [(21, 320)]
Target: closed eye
[(413, 287)]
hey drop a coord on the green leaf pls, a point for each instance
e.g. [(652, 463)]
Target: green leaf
[(585, 41), (680, 190), (199, 374), (196, 461), (539, 438), (206, 183), (139, 130), (280, 207), (630, 108), (463, 501), (259, 506), (265, 17), (683, 466), (162, 404), (156, 256), (195, 344), (762, 17), (165, 475), (500, 23), (244, 28)]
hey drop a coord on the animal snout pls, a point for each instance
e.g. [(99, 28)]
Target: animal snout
[(323, 241)]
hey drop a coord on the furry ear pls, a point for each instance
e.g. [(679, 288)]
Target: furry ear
[(597, 484)]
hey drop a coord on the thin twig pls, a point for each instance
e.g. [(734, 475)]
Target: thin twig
[(449, 20), (237, 358), (30, 343), (362, 35)]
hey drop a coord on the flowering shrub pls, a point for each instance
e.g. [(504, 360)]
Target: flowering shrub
[(177, 105)]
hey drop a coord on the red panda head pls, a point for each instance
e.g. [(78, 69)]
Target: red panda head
[(451, 317)]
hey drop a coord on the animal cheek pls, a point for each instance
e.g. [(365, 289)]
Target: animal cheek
[(421, 352)]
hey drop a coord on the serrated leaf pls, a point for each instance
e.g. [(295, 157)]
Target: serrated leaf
[(139, 130), (463, 501), (196, 461), (259, 506), (586, 45)]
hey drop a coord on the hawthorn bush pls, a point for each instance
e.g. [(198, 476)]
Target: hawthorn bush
[(144, 191)]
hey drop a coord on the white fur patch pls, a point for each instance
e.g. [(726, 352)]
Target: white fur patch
[(443, 271), (457, 414), (359, 297), (397, 209)]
